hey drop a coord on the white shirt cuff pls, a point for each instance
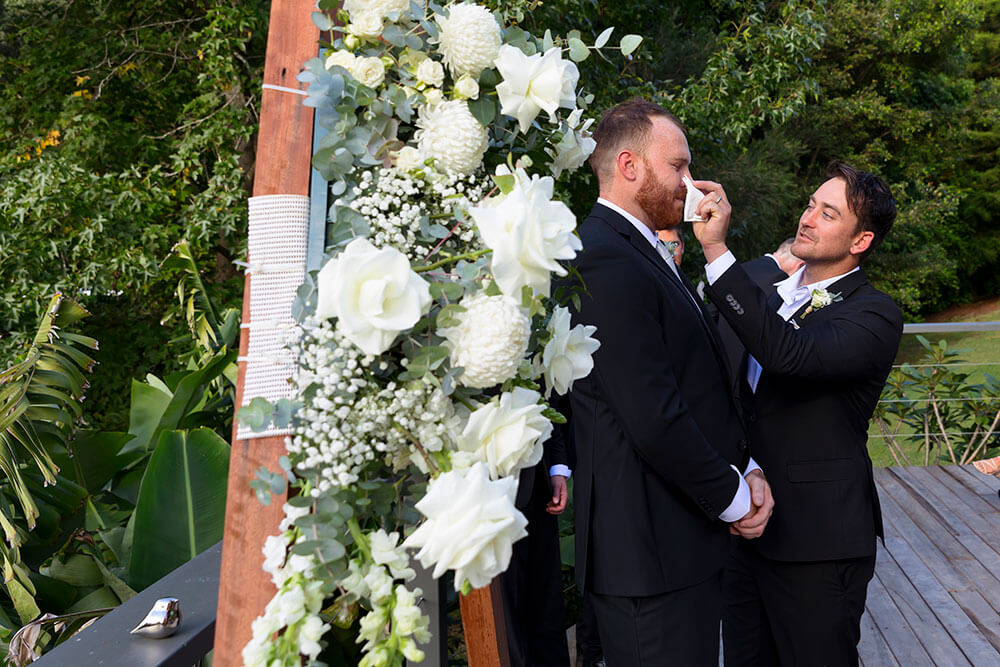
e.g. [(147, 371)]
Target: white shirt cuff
[(721, 264), (741, 502), (751, 466), (560, 469)]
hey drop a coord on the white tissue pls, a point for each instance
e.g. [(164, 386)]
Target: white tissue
[(694, 197)]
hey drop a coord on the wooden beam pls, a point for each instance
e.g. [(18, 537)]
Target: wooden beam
[(483, 625), (283, 166), (284, 157)]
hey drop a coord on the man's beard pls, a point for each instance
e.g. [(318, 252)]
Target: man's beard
[(659, 202)]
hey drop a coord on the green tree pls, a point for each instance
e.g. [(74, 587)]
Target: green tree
[(124, 127)]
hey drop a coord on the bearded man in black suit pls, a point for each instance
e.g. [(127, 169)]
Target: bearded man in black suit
[(661, 450), (820, 348)]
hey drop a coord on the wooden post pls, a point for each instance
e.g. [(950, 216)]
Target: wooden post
[(283, 165), (483, 624)]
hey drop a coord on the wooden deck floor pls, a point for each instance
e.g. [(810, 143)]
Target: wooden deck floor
[(935, 598)]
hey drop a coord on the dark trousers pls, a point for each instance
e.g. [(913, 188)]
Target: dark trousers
[(675, 628), (532, 590), (789, 613)]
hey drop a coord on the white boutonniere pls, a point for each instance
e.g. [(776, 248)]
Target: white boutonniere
[(821, 298)]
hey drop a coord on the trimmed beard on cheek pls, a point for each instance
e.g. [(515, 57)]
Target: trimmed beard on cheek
[(659, 202)]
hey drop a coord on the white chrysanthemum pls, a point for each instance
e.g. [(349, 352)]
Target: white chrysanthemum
[(450, 134), (471, 525), (469, 39), (379, 7), (489, 341)]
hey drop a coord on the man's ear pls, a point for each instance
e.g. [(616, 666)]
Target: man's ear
[(862, 242), (627, 164)]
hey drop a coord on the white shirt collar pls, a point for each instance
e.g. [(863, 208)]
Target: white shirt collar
[(791, 290), (636, 222)]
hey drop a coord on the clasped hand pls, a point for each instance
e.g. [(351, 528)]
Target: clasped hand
[(761, 505)]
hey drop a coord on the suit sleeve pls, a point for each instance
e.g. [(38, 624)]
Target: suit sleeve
[(556, 445), (638, 382), (858, 338)]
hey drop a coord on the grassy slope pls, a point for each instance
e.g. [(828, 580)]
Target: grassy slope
[(975, 348)]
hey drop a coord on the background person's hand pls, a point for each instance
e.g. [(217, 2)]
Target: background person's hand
[(560, 495)]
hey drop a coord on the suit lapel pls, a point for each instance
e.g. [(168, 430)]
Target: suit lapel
[(844, 287), (639, 242)]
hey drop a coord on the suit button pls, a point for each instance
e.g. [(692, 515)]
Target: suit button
[(753, 417), (742, 445)]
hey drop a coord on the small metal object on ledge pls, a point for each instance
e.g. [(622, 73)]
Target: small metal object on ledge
[(107, 643), (161, 621)]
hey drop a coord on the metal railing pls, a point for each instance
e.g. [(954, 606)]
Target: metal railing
[(108, 643)]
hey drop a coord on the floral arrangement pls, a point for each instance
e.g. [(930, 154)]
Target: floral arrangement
[(821, 298), (431, 338)]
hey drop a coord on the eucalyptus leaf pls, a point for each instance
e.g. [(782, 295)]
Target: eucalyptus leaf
[(483, 109), (603, 38), (578, 51), (630, 43)]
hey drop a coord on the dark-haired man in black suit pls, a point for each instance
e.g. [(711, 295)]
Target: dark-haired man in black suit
[(821, 347), (661, 451)]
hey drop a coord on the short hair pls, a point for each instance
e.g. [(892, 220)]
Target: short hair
[(869, 198), (785, 246), (627, 125)]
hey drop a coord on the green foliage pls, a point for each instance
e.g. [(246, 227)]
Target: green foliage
[(772, 92), (938, 408), (125, 128), (182, 503)]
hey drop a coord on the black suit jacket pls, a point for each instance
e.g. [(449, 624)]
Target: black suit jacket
[(655, 427), (822, 376), (764, 271)]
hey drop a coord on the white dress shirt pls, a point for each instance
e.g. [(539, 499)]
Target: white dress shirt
[(793, 295), (741, 501)]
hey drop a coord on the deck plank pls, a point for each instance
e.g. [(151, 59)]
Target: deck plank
[(945, 539), (899, 636), (937, 579), (930, 632), (954, 507)]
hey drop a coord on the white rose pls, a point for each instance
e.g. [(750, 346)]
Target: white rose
[(489, 340), (408, 158), (528, 232), (571, 151), (366, 25), (507, 433), (430, 72), (369, 71), (373, 293), (535, 83), (568, 356), (343, 59), (471, 525), (467, 87), (433, 97)]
